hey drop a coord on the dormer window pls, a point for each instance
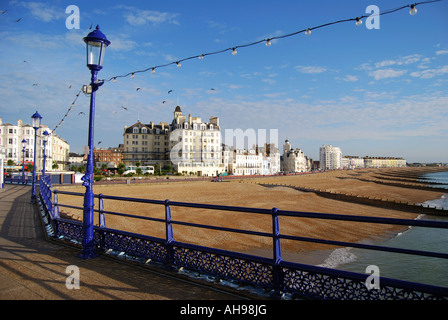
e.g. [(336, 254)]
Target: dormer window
[(135, 130)]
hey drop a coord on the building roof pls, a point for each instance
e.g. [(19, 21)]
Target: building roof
[(147, 126)]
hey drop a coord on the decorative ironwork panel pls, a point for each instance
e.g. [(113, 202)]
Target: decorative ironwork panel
[(228, 267), (321, 286), (67, 229), (134, 246)]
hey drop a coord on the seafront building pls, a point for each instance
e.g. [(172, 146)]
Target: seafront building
[(58, 155), (258, 161), (146, 143), (194, 147), (294, 160), (330, 158), (57, 149), (77, 160), (351, 162), (110, 157), (190, 145)]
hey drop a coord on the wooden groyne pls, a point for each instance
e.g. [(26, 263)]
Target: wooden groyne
[(372, 201)]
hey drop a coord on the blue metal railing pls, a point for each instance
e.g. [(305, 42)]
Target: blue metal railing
[(273, 274)]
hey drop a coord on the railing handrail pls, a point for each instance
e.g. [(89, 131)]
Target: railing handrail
[(279, 274), (299, 214), (381, 220)]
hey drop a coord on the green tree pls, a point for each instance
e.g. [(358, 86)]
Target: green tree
[(121, 168)]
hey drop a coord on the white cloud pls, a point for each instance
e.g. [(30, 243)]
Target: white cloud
[(387, 73), (310, 69), (41, 41), (137, 17), (430, 73), (348, 78), (42, 11), (439, 52), (382, 70), (400, 61), (170, 57), (384, 63), (122, 43), (268, 81)]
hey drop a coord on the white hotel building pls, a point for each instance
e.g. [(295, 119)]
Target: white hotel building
[(195, 146), (294, 160), (11, 136), (190, 145), (261, 161)]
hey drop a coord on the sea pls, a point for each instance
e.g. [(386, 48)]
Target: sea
[(433, 271)]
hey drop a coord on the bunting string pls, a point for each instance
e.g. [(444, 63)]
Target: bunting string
[(267, 41)]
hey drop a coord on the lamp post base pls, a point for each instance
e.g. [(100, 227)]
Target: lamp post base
[(88, 252), (87, 255)]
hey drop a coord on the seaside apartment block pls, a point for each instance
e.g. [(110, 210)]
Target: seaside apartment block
[(351, 162), (330, 158)]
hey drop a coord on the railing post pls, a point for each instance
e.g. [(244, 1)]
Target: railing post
[(102, 222), (169, 233), (277, 253), (56, 205), (49, 197), (101, 216)]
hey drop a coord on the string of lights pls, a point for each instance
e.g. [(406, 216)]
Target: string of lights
[(267, 41), (68, 111)]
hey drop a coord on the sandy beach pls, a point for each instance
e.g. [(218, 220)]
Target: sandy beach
[(249, 192)]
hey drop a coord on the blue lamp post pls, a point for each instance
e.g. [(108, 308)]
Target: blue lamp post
[(96, 43), (36, 119), (46, 134), (23, 161)]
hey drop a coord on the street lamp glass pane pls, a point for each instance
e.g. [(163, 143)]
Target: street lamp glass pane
[(95, 53), (36, 122)]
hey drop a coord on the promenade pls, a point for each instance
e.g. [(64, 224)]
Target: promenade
[(34, 268)]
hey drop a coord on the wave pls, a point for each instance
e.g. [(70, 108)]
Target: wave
[(338, 257), (440, 203)]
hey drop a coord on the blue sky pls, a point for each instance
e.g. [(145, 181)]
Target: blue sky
[(375, 92)]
